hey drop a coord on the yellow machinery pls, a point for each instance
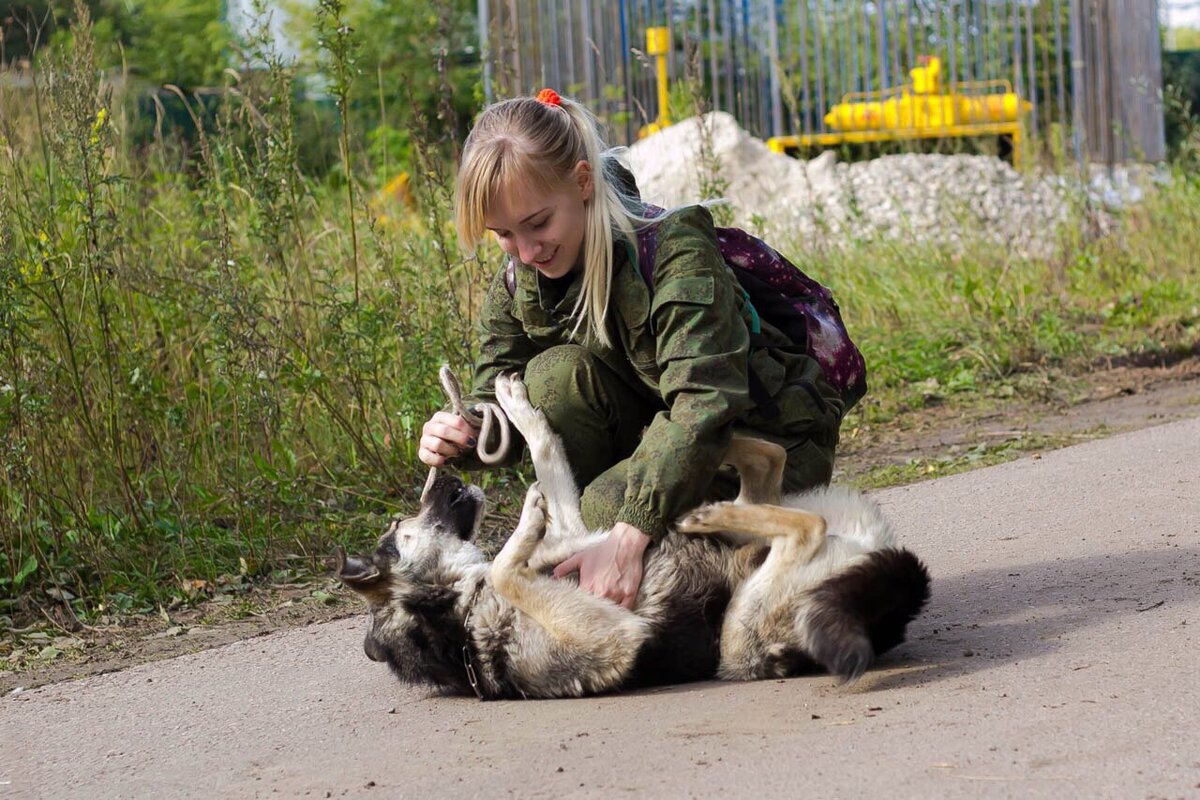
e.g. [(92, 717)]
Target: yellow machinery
[(658, 46), (920, 110)]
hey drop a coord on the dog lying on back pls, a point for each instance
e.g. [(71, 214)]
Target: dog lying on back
[(761, 587)]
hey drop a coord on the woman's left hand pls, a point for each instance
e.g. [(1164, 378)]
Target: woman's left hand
[(611, 568)]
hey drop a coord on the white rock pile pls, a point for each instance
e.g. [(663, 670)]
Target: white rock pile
[(952, 200)]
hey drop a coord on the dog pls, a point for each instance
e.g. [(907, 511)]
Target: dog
[(760, 587)]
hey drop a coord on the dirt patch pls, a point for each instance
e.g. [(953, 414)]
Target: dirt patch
[(944, 436), (1068, 409), (61, 648)]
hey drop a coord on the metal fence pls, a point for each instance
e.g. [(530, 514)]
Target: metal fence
[(1090, 69)]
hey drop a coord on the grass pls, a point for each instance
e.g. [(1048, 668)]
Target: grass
[(984, 454), (937, 322), (211, 363), (213, 366)]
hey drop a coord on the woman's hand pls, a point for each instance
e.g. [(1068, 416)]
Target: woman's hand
[(611, 568), (445, 436)]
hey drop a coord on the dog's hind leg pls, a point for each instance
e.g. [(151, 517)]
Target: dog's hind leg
[(759, 465), (773, 627), (796, 534), (758, 635)]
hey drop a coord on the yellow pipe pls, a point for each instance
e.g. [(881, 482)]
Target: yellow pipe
[(658, 45)]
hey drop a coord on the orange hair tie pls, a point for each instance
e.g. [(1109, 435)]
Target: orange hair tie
[(549, 97)]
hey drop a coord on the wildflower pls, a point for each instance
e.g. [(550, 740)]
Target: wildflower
[(30, 270), (101, 117)]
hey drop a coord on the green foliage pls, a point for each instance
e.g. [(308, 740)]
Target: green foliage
[(1181, 102), (210, 363), (934, 322), (1184, 38), (408, 58), (181, 42), (184, 42)]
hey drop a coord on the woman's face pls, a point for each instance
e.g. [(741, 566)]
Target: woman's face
[(544, 230)]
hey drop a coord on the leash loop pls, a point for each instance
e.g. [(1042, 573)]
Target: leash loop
[(484, 416)]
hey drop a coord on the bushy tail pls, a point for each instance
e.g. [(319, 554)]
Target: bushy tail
[(864, 611)]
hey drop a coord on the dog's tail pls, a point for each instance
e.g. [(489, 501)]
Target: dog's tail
[(863, 612)]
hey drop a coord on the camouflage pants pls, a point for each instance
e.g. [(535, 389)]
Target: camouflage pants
[(600, 419)]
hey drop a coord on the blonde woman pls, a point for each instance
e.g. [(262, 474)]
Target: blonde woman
[(645, 384)]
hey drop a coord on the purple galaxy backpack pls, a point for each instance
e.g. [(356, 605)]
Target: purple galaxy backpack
[(778, 292)]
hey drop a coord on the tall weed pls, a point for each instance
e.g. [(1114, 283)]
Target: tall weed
[(210, 362)]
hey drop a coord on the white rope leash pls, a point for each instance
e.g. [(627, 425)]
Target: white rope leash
[(492, 415)]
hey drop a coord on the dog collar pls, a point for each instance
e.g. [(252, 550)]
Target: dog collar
[(472, 677)]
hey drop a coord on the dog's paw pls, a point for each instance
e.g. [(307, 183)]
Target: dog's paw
[(533, 513), (706, 519), (513, 397), (502, 389)]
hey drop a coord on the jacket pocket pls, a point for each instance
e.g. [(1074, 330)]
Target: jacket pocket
[(697, 289)]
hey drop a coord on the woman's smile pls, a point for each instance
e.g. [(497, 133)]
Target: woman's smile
[(543, 229)]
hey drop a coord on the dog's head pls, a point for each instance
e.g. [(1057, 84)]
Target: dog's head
[(413, 581)]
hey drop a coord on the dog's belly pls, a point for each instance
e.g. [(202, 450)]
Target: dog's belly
[(685, 645), (688, 584)]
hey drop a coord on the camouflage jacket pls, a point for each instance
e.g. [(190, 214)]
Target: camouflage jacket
[(686, 348)]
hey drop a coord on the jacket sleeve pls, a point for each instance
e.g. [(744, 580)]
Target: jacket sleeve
[(503, 347), (701, 347)]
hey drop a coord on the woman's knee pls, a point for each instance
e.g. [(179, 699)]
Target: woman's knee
[(809, 465), (560, 379)]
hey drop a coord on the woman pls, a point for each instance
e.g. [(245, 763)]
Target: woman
[(645, 386)]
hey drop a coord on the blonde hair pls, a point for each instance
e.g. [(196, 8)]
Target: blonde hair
[(525, 142)]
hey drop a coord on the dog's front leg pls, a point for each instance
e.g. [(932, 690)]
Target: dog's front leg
[(598, 638), (513, 558), (549, 459)]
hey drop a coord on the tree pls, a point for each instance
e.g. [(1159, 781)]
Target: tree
[(184, 42), (410, 56)]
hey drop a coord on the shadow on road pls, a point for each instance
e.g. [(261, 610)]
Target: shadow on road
[(978, 620)]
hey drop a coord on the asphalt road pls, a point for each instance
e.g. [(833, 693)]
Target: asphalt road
[(1058, 658)]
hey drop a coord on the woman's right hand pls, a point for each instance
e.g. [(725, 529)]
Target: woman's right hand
[(445, 436)]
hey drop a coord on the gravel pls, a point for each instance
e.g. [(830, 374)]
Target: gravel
[(947, 200)]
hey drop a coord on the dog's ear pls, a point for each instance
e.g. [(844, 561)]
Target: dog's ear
[(364, 577)]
